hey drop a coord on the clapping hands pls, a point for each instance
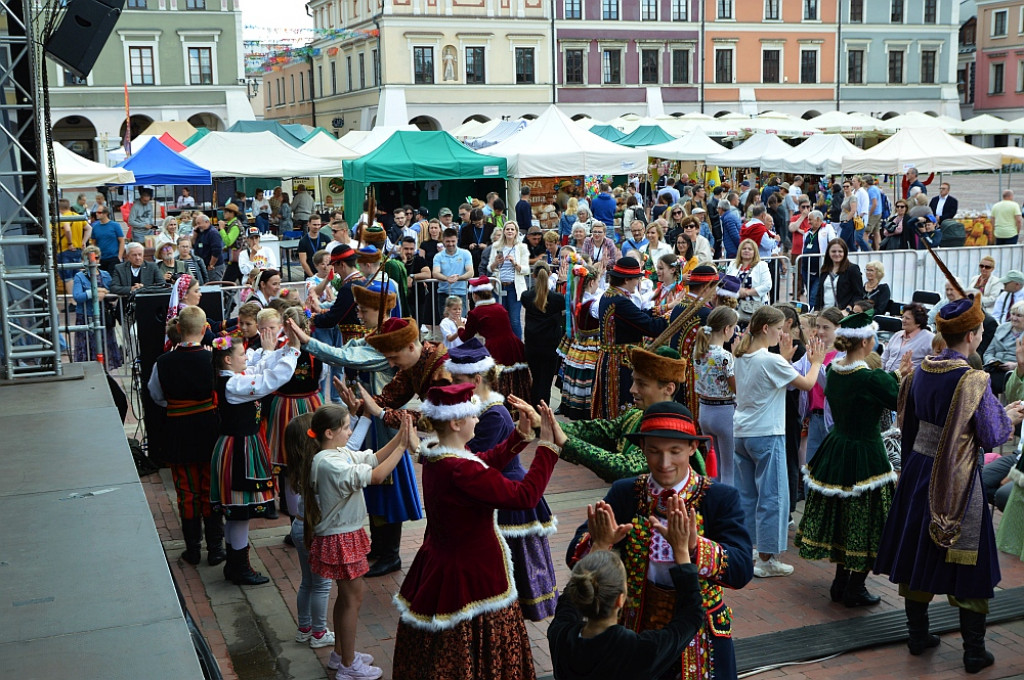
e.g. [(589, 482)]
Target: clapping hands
[(604, 530), (681, 529)]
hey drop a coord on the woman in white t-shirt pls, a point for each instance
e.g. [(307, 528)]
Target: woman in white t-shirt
[(759, 428)]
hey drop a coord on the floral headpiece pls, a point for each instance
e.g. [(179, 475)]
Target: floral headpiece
[(222, 343)]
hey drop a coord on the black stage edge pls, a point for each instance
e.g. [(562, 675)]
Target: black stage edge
[(84, 584)]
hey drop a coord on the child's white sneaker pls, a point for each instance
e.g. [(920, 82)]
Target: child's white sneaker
[(325, 640), (334, 662), (358, 671)]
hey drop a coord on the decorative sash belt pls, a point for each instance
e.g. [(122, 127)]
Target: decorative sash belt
[(187, 407)]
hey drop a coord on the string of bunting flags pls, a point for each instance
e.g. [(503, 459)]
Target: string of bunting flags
[(279, 58)]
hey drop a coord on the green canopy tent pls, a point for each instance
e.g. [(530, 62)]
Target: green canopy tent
[(200, 133), (422, 156), (316, 131), (607, 132), (646, 135), (273, 126)]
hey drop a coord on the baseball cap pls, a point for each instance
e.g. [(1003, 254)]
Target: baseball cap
[(252, 231), (444, 212), (745, 183)]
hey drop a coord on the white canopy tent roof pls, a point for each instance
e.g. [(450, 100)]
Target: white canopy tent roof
[(749, 153), (119, 154), (780, 124), (712, 127), (473, 129), (255, 154), (631, 121), (838, 122), (587, 122), (695, 145), (325, 145), (554, 145), (916, 119), (986, 124), (374, 138), (818, 155), (75, 171), (927, 150)]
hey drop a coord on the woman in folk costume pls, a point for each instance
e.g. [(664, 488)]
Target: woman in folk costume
[(525, 531), (580, 346), (720, 545), (460, 615), (850, 482), (938, 538), (621, 324), (490, 321), (374, 235)]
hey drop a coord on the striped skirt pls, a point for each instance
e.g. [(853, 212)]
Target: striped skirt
[(281, 412), (241, 482), (578, 371)]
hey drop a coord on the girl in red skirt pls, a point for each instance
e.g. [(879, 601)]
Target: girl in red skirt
[(331, 487)]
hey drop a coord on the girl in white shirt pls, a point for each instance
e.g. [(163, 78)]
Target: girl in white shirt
[(452, 321), (331, 485)]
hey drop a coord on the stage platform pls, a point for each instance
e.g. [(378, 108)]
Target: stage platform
[(85, 589)]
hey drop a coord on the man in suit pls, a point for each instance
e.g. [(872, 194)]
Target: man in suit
[(943, 206), (134, 273)]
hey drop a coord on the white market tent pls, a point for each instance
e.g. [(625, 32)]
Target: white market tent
[(375, 137), (75, 171), (325, 145), (916, 119), (629, 122), (553, 145), (713, 127), (987, 124), (119, 155), (749, 153), (255, 154), (927, 150), (839, 122), (695, 145), (472, 129), (780, 124), (819, 155), (586, 122)]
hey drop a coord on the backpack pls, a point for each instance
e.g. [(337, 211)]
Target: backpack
[(886, 207)]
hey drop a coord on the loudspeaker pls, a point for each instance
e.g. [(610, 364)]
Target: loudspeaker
[(82, 33)]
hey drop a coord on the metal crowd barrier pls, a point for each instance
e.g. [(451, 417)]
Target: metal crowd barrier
[(779, 266)]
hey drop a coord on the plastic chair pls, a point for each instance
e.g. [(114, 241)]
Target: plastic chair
[(926, 297), (889, 324)]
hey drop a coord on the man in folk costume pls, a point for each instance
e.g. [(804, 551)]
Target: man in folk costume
[(938, 538), (622, 323), (374, 235), (602, 445), (703, 279), (343, 312), (720, 545), (420, 366), (397, 500)]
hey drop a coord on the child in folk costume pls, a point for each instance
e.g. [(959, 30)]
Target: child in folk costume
[(580, 346), (331, 482), (242, 484), (299, 395), (460, 618), (183, 382), (525, 531)]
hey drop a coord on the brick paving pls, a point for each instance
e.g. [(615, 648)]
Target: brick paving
[(764, 606)]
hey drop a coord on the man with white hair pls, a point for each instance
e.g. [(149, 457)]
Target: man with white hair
[(1007, 220), (134, 273)]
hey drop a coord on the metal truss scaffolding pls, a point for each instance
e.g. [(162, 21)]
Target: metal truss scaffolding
[(28, 295)]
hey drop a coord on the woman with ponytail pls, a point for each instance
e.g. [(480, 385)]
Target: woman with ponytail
[(545, 328), (715, 385), (582, 328), (671, 284)]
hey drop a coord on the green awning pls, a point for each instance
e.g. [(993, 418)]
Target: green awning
[(646, 135)]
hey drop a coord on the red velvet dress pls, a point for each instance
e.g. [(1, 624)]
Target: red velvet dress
[(491, 322)]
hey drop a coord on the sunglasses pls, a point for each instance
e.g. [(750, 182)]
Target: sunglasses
[(846, 186), (902, 206), (677, 212), (985, 266)]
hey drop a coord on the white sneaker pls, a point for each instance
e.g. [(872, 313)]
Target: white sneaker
[(771, 567), (303, 635), (358, 671), (325, 640), (334, 662)]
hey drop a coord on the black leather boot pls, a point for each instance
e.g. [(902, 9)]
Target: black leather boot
[(238, 570), (972, 629), (389, 561), (838, 588), (192, 530), (214, 525), (856, 594), (917, 625)]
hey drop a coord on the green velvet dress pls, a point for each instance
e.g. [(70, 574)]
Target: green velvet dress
[(850, 482)]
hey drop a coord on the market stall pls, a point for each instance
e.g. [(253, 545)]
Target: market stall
[(750, 153), (818, 155), (74, 171)]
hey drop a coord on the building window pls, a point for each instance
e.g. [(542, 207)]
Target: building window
[(895, 67), (808, 67), (362, 71), (810, 10), (334, 77), (302, 87), (574, 67), (856, 11), (474, 65), (723, 66), (293, 88), (423, 65), (195, 4), (680, 67), (680, 10), (928, 66), (649, 67), (996, 79), (525, 69), (376, 68), (200, 65), (770, 66), (140, 61), (320, 80), (855, 67), (649, 10), (772, 12), (349, 84), (725, 9), (573, 9), (1020, 75), (611, 67), (70, 79), (896, 12), (136, 4), (931, 12), (609, 9), (999, 23)]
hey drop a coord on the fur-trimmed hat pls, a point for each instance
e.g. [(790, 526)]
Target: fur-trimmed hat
[(859, 326), (368, 254), (663, 364), (469, 358), (480, 284), (960, 316), (394, 335), (374, 235), (451, 402), (370, 297), (730, 287)]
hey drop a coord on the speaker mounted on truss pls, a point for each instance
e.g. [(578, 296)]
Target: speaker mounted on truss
[(78, 40)]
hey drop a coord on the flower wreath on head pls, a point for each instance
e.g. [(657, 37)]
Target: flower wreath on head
[(222, 343)]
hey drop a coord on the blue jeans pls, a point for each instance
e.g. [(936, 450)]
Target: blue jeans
[(816, 433), (813, 281), (763, 483), (314, 592), (511, 302), (859, 240)]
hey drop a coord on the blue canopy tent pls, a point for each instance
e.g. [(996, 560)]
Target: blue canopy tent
[(156, 164)]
